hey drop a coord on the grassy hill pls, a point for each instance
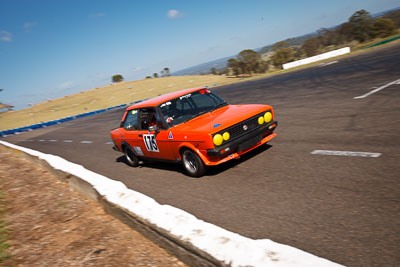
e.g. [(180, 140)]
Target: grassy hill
[(107, 96), (127, 92)]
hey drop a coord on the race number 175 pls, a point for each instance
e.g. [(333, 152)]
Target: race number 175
[(150, 142)]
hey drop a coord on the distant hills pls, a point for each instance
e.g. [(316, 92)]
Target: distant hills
[(296, 41), (204, 68), (220, 64)]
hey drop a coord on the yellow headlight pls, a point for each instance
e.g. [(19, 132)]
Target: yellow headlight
[(217, 139), (260, 120), (268, 117), (226, 136)]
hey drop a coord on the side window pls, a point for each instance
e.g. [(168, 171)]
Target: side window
[(160, 123), (147, 118), (131, 121)]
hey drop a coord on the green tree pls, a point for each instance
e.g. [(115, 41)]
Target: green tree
[(395, 16), (263, 67), (250, 61), (311, 46), (362, 22), (383, 27), (224, 72), (282, 56), (165, 72), (155, 75), (298, 52), (213, 71), (345, 32), (280, 45), (117, 78), (328, 37), (234, 65)]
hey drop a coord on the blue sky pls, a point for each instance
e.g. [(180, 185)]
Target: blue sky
[(53, 48)]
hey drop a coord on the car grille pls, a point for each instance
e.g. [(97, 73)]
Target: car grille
[(238, 130)]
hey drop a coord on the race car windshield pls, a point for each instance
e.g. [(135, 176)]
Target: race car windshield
[(187, 107)]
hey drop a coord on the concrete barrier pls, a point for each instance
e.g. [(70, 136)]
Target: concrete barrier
[(193, 241), (316, 58)]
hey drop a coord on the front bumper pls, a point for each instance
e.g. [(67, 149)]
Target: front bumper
[(241, 145)]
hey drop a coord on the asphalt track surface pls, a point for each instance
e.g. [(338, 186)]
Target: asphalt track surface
[(345, 209)]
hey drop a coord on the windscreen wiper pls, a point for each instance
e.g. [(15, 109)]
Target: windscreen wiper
[(199, 114), (207, 111), (220, 105)]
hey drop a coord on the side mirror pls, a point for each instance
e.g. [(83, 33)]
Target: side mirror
[(153, 128)]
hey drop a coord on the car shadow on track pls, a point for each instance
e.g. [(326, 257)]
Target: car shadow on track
[(211, 171), (159, 165), (215, 170)]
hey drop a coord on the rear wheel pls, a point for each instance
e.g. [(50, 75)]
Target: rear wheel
[(192, 163), (130, 157)]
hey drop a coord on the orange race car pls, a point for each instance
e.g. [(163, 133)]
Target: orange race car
[(194, 127)]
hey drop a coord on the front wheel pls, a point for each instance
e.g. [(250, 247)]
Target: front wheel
[(130, 157), (192, 163)]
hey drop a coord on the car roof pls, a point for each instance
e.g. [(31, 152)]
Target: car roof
[(153, 102)]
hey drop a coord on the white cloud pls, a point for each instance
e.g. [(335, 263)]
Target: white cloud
[(66, 85), (100, 75), (5, 36), (173, 14), (136, 69), (97, 15), (29, 25)]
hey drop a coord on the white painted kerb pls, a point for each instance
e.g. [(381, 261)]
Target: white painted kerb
[(223, 245), (316, 58)]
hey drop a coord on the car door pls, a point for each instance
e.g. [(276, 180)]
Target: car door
[(155, 144), (132, 134)]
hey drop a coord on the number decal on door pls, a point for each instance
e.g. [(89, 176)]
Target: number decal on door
[(150, 142)]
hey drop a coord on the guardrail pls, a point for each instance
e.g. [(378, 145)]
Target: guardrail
[(383, 42), (53, 122)]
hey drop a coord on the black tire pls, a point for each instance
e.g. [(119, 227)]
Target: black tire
[(130, 157), (192, 163)]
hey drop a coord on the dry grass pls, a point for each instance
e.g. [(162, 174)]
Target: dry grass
[(107, 96), (126, 92), (52, 225)]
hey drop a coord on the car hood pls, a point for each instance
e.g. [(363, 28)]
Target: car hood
[(222, 118)]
